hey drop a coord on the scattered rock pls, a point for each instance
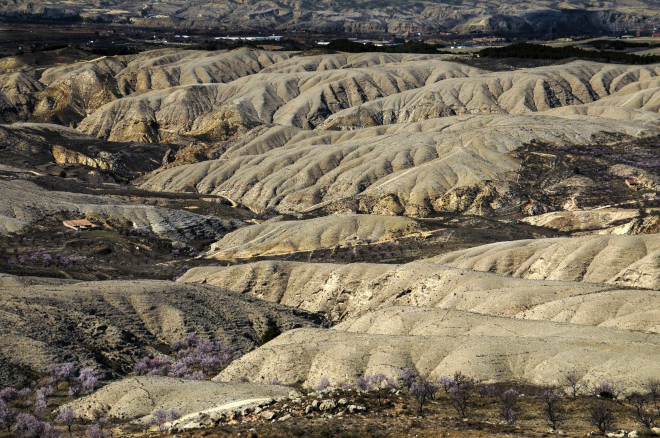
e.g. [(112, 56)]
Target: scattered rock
[(295, 394), (327, 405)]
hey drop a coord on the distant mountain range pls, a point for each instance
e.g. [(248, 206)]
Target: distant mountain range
[(359, 16)]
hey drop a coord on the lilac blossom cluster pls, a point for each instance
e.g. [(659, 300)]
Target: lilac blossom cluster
[(84, 382), (194, 357)]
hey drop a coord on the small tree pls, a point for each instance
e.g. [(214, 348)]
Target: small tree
[(173, 415), (644, 414), (24, 395), (50, 431), (510, 412), (27, 426), (460, 395), (552, 408), (446, 383), (422, 390), (377, 381), (94, 431), (573, 380), (601, 415), (158, 418), (485, 391), (408, 377), (363, 383), (653, 387), (67, 417), (88, 379), (8, 394)]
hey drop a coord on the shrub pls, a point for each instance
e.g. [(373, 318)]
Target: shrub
[(62, 174), (7, 416), (271, 333), (607, 390), (323, 384)]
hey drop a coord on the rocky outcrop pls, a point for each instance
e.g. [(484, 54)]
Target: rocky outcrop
[(23, 203), (63, 155)]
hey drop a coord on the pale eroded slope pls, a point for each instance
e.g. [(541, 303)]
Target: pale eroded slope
[(343, 291), (275, 237), (138, 397), (516, 92), (597, 353), (301, 99), (623, 260), (407, 166)]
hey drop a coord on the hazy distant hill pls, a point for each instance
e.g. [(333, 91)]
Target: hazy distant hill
[(395, 16)]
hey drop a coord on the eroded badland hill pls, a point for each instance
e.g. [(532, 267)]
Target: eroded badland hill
[(279, 243)]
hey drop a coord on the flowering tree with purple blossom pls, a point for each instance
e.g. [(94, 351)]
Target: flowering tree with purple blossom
[(27, 426), (408, 377), (422, 390), (66, 417), (94, 431), (7, 416), (194, 358), (88, 379)]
